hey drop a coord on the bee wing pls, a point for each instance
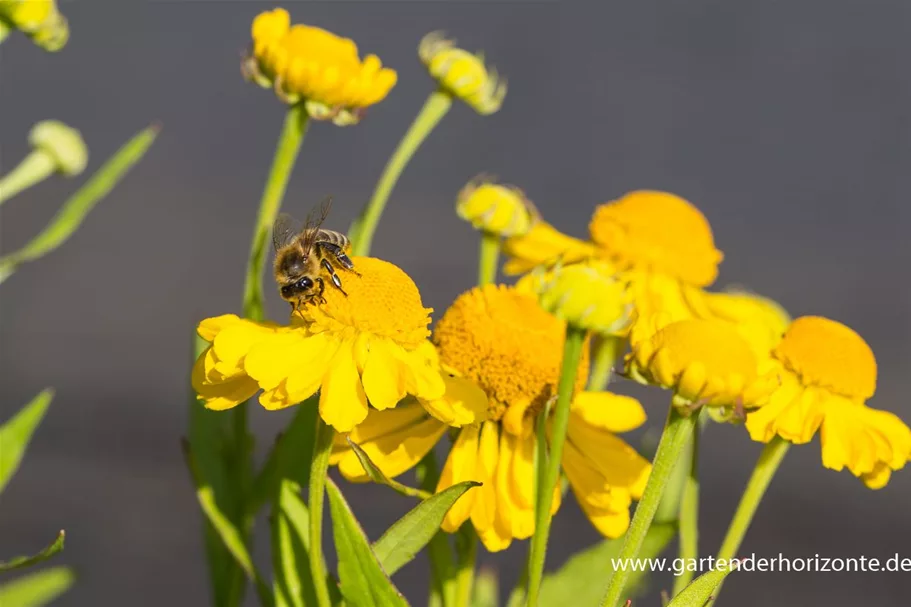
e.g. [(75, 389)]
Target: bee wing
[(314, 221), (284, 230)]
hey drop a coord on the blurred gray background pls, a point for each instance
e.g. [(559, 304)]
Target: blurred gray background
[(787, 123)]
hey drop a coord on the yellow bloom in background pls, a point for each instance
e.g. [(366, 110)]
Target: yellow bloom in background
[(369, 346), (588, 296), (462, 74), (309, 64), (38, 19), (827, 373), (704, 362), (497, 209), (499, 340)]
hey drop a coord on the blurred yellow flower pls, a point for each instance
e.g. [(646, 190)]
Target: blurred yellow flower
[(587, 296), (827, 372), (462, 74), (309, 64), (704, 362), (38, 19), (499, 339), (497, 209), (369, 346)]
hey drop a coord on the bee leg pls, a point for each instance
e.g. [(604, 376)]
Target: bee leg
[(335, 279), (339, 254), (319, 294)]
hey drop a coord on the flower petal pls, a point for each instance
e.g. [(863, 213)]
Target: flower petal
[(394, 452), (342, 402), (210, 327), (220, 396), (382, 377), (609, 411), (460, 467), (463, 403)]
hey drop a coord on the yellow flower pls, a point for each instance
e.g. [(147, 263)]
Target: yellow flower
[(587, 296), (367, 346), (705, 362), (827, 373), (305, 63), (500, 340), (38, 19), (462, 74), (497, 209)]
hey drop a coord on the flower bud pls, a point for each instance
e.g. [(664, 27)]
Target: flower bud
[(587, 297), (63, 144), (462, 74), (496, 209)]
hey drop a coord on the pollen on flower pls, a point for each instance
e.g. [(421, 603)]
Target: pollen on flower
[(659, 231), (381, 299), (844, 364), (503, 341)]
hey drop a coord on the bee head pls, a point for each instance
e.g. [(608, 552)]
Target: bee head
[(293, 290)]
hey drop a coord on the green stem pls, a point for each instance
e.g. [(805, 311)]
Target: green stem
[(488, 259), (319, 467), (363, 228), (289, 144), (467, 552), (689, 515), (676, 433), (442, 569), (607, 351), (769, 461), (34, 168), (572, 354)]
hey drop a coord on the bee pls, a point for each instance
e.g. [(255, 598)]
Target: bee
[(302, 254)]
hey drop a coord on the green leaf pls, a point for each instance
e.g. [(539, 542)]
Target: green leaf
[(363, 582), (16, 433), (36, 589), (291, 549), (377, 475), (573, 583), (486, 592), (75, 209), (226, 530), (700, 590), (26, 561), (412, 532)]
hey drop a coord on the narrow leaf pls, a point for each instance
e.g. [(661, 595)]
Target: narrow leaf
[(363, 582), (700, 590), (36, 589), (486, 591), (226, 530), (16, 433), (377, 475), (291, 549), (75, 209), (572, 584), (412, 532), (25, 561)]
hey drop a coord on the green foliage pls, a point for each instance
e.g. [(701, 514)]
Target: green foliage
[(26, 561), (486, 591), (291, 549), (36, 589), (363, 582), (412, 532), (74, 210), (573, 584), (377, 475), (16, 433), (699, 592)]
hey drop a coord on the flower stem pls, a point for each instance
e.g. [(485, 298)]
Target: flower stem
[(676, 433), (572, 353), (34, 168), (363, 228), (766, 466), (467, 552), (289, 144), (319, 467), (607, 351), (487, 262), (689, 516)]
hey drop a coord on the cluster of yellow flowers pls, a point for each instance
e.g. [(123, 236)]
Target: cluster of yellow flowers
[(492, 364)]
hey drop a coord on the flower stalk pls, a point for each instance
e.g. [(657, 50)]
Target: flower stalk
[(488, 259), (319, 467), (572, 353), (676, 433), (467, 552), (363, 228), (689, 514), (606, 352), (769, 461)]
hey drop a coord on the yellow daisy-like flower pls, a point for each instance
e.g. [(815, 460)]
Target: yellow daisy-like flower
[(38, 19), (500, 340), (705, 362), (369, 346), (587, 296), (827, 374), (305, 63), (496, 209), (462, 74)]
